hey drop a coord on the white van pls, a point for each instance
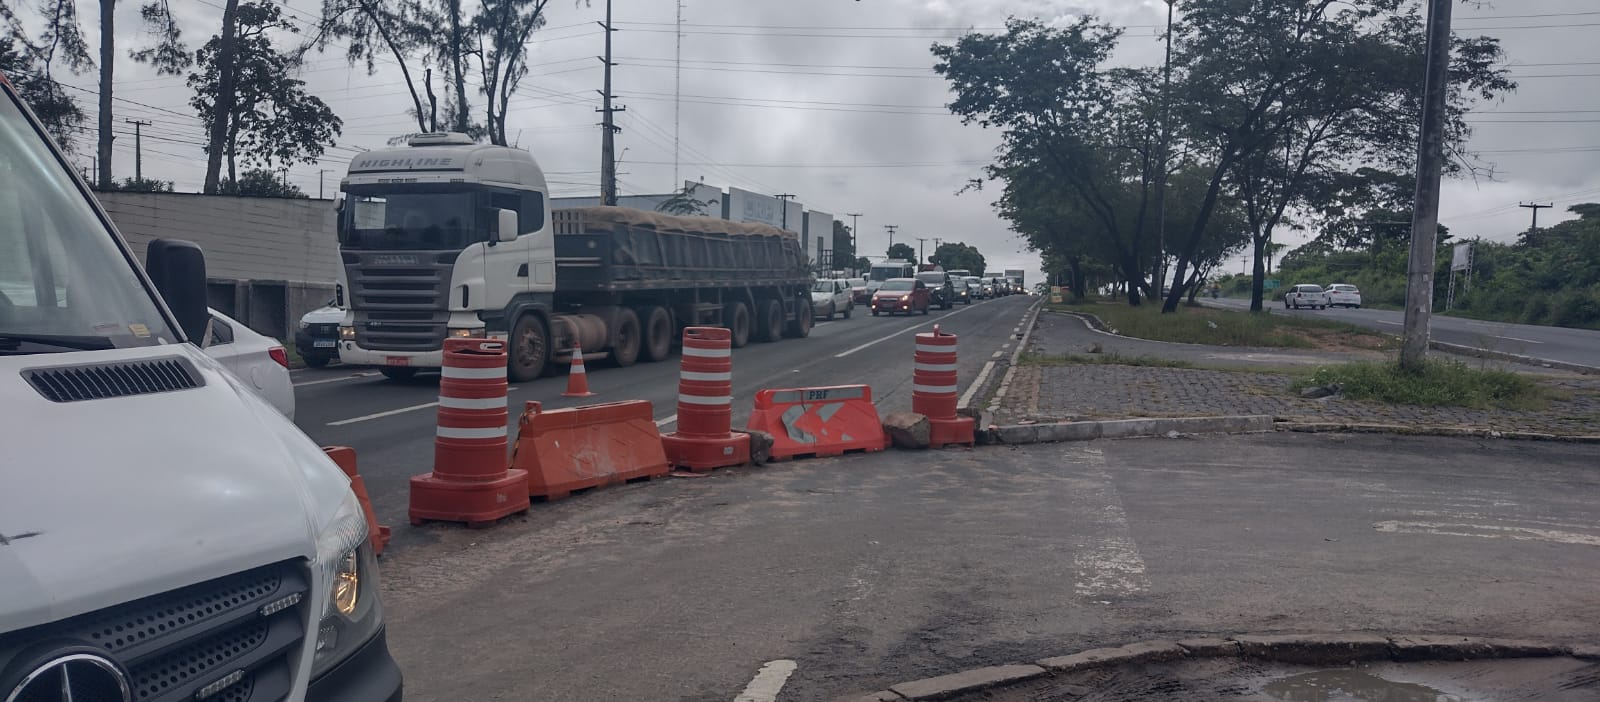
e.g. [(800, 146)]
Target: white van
[(165, 534)]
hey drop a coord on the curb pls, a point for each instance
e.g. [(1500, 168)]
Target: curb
[(1032, 320), (1475, 352), (1311, 649), (1123, 428), (1426, 430)]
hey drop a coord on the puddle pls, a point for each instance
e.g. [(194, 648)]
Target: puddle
[(1350, 686)]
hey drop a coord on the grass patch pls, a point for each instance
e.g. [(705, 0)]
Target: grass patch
[(1100, 359), (1439, 384), (1216, 327)]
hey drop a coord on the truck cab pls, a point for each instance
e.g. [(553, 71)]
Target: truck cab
[(165, 533)]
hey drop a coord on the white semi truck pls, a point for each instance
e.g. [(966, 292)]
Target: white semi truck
[(448, 238)]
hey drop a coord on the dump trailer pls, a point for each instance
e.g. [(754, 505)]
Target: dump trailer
[(447, 238)]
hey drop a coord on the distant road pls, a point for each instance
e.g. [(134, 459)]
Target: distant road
[(1551, 343)]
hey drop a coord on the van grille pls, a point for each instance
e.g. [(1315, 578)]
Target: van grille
[(97, 382)]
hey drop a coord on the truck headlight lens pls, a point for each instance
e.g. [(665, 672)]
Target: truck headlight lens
[(467, 333), (347, 333)]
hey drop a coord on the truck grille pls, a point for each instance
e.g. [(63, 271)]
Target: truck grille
[(176, 643), (399, 307)]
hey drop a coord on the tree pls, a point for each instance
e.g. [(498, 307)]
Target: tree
[(270, 121), (25, 65), (862, 264), (902, 252), (503, 28), (683, 203), (140, 185), (844, 250), (954, 255), (371, 27), (259, 182)]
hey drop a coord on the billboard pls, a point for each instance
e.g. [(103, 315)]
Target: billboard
[(746, 206), (1461, 257), (818, 235)]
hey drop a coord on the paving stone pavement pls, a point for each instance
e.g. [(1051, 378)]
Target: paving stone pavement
[(1081, 391)]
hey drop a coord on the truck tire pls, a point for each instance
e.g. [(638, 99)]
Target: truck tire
[(737, 317), (657, 343), (530, 349), (769, 324), (625, 344), (800, 328), (402, 373)]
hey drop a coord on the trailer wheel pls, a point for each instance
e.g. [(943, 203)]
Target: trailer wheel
[(800, 328), (657, 334), (625, 348), (769, 324), (530, 349), (738, 321)]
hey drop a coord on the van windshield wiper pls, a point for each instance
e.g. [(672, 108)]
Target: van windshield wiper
[(47, 343)]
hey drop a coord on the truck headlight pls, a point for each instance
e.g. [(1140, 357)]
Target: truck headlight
[(476, 333), (353, 613), (347, 333)]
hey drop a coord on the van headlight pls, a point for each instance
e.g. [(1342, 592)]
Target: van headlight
[(353, 613)]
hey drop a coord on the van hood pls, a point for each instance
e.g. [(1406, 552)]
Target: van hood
[(114, 499), (323, 315)]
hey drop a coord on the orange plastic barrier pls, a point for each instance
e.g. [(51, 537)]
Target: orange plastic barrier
[(346, 458), (582, 447), (469, 482), (934, 387), (819, 421)]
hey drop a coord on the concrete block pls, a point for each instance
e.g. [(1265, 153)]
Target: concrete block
[(1124, 428), (966, 681), (1069, 431), (1210, 648), (1326, 649), (1143, 652), (908, 430), (879, 696)]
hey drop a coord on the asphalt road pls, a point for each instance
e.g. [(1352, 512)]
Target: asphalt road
[(391, 424), (864, 571), (1581, 346)]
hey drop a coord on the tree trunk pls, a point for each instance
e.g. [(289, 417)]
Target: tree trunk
[(1258, 279), (108, 59), (433, 104), (400, 60), (1079, 289), (222, 106), (456, 66)]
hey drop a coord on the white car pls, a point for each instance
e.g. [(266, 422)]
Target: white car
[(1343, 295), (830, 297), (260, 361), (1305, 296)]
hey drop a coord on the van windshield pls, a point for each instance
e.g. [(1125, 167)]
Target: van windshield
[(64, 283), (422, 217)]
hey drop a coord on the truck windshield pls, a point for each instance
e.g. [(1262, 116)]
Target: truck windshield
[(421, 217), (64, 283)]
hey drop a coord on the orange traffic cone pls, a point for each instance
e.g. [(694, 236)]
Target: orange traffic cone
[(577, 379)]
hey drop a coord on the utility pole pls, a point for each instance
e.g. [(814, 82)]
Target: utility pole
[(855, 220), (1425, 210), (138, 151), (320, 172), (608, 126), (677, 95), (1536, 207), (920, 259), (785, 198), (1161, 178), (891, 228), (285, 172)]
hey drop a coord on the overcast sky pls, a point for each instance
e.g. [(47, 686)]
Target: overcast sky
[(835, 102)]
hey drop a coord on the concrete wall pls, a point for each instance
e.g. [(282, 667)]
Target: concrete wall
[(270, 260)]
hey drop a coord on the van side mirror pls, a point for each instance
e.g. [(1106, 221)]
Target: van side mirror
[(506, 226), (178, 269)]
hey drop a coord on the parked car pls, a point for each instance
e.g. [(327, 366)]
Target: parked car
[(259, 361), (317, 339), (859, 292), (1305, 296), (830, 297), (1343, 295), (940, 288), (901, 295)]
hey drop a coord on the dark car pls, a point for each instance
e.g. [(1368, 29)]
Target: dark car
[(901, 295), (940, 288)]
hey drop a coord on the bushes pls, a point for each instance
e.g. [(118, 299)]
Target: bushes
[(1439, 384)]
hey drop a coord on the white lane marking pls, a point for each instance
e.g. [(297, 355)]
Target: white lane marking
[(1487, 531), (907, 330), (666, 420), (768, 682), (1108, 563), (381, 415), (998, 354), (972, 389), (1516, 338), (339, 379), (1005, 380), (1384, 321)]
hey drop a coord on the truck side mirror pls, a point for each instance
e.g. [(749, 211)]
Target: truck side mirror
[(506, 226), (178, 269)]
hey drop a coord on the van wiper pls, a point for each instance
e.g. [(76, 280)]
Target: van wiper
[(16, 343)]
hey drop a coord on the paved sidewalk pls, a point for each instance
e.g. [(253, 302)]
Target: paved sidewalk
[(1088, 391)]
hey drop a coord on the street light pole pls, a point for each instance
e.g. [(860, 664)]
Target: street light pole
[(1161, 178)]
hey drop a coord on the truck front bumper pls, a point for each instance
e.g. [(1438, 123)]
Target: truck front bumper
[(351, 354), (368, 675)]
